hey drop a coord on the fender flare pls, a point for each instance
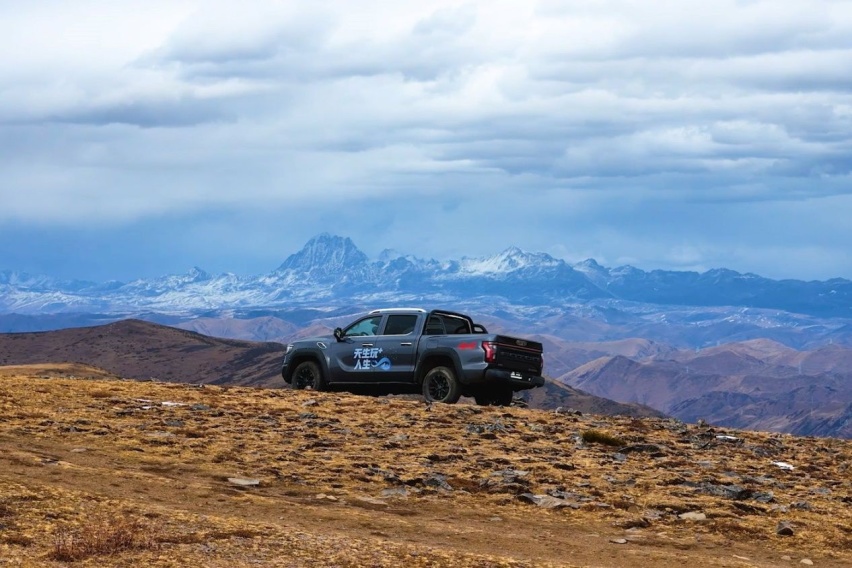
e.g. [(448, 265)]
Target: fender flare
[(447, 352), (300, 355)]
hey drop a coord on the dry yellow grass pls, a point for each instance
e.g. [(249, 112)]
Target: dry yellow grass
[(342, 480)]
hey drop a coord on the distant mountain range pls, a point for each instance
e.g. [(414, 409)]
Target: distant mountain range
[(331, 269), (622, 333)]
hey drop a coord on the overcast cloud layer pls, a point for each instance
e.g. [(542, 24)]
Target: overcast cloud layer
[(139, 138)]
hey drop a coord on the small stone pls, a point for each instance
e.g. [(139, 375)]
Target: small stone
[(646, 448), (437, 481), (784, 528), (618, 540), (244, 481), (310, 402), (693, 516), (785, 557), (199, 407), (806, 562), (547, 501), (371, 501), (80, 450)]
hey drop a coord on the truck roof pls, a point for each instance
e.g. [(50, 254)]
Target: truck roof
[(392, 310)]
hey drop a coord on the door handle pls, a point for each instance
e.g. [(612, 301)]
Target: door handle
[(407, 344), (366, 345)]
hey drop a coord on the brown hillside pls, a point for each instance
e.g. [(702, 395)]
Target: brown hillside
[(730, 386), (141, 350), (555, 395), (126, 473)]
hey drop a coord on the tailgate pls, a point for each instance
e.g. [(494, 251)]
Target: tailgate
[(515, 354)]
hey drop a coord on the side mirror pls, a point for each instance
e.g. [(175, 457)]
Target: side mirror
[(338, 334)]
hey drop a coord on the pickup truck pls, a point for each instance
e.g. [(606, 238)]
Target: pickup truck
[(442, 354)]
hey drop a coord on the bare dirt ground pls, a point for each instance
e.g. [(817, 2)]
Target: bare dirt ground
[(237, 477)]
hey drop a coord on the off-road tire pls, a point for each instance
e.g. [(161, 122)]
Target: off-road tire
[(308, 375), (441, 385)]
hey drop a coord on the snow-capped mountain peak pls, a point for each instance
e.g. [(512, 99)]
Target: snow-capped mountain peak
[(325, 255), (510, 260)]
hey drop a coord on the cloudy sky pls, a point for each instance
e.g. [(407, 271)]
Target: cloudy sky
[(139, 138)]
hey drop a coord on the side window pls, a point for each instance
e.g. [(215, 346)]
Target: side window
[(435, 326), (366, 326), (400, 324)]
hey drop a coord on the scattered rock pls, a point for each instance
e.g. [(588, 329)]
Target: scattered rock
[(324, 497), (618, 540), (569, 411), (438, 481), (80, 450), (547, 501), (783, 465), (726, 438), (652, 449), (371, 501), (693, 516), (806, 562), (801, 506), (310, 402), (244, 481), (199, 407), (784, 528), (486, 429), (640, 523)]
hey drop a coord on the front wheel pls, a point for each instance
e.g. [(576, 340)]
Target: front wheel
[(440, 385), (308, 375)]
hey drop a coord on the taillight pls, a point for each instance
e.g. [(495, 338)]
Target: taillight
[(490, 351)]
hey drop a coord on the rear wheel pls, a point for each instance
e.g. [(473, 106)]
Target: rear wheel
[(440, 385), (308, 375)]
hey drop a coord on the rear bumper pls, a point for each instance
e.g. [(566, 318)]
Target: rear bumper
[(518, 381)]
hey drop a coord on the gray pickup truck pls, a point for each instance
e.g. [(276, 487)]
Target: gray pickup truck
[(442, 354)]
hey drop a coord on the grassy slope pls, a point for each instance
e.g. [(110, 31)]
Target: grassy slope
[(353, 481)]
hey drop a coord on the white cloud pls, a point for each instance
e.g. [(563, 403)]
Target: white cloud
[(126, 111)]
